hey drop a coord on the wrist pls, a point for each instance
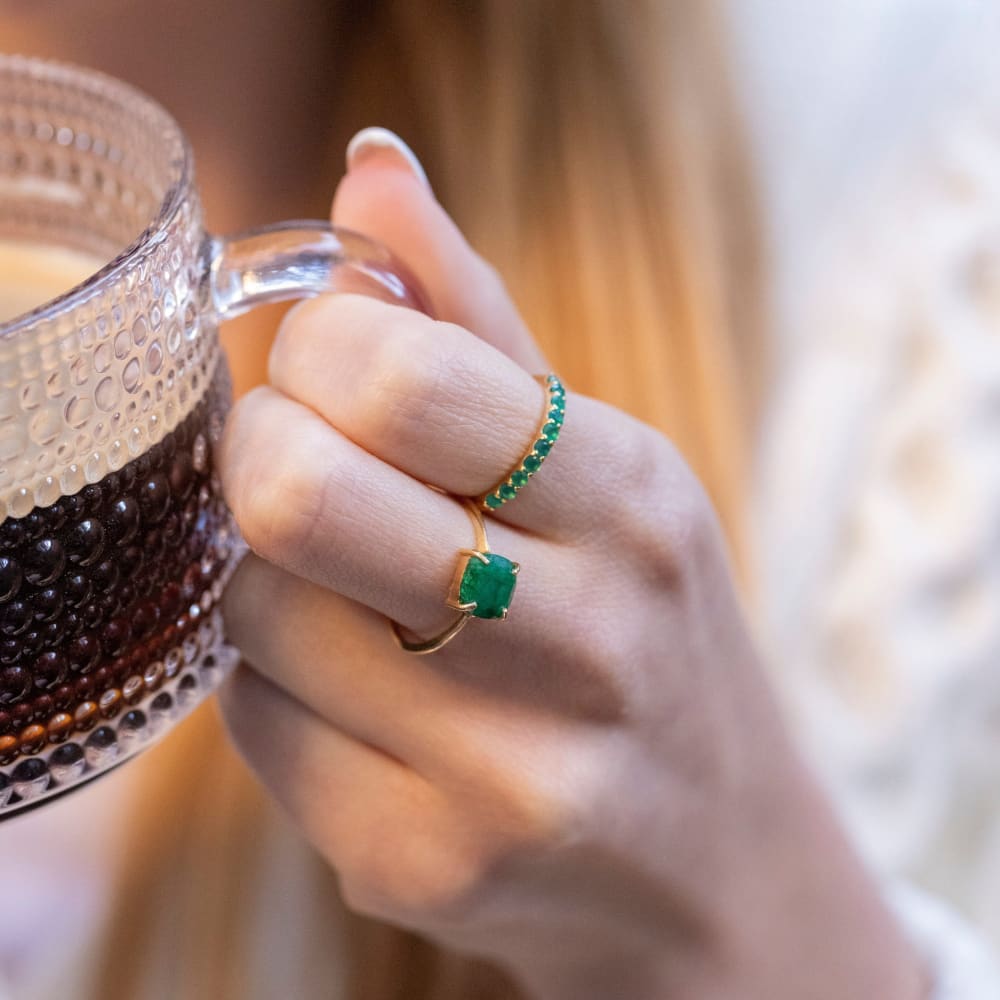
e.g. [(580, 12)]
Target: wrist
[(770, 903), (792, 914), (809, 919)]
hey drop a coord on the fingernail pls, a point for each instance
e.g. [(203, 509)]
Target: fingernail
[(380, 141)]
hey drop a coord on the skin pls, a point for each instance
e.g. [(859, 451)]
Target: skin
[(598, 793)]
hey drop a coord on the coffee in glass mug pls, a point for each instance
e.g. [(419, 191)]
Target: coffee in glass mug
[(115, 541)]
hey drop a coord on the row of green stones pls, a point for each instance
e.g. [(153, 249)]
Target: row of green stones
[(532, 462)]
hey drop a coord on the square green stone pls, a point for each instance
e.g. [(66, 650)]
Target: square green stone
[(489, 585)]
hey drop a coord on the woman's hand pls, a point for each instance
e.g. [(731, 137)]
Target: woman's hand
[(596, 793)]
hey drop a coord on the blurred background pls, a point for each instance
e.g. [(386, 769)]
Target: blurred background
[(876, 130)]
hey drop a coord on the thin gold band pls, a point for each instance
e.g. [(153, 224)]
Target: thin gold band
[(420, 647), (553, 415)]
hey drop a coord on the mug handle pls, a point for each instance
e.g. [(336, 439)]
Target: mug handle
[(300, 259)]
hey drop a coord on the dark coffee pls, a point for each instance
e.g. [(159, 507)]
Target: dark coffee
[(106, 601)]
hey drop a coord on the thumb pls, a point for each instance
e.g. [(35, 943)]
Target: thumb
[(385, 195)]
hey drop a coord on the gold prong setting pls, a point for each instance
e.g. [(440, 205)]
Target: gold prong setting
[(482, 587)]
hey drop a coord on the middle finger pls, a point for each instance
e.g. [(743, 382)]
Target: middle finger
[(433, 400)]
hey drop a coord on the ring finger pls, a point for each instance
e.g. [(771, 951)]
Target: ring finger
[(311, 501)]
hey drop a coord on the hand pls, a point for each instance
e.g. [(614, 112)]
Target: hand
[(596, 793)]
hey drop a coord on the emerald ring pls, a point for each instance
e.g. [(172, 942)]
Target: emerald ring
[(482, 587), (542, 443)]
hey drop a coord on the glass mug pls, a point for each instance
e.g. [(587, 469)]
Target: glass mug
[(115, 543)]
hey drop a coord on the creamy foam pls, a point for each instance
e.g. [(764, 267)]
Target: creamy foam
[(81, 397), (34, 273)]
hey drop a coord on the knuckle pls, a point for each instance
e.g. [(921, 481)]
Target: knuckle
[(444, 870), (529, 800), (279, 512), (231, 458), (415, 877), (601, 658), (684, 531), (238, 705), (646, 462), (565, 804), (544, 811), (310, 326), (291, 340), (664, 522), (414, 377), (692, 527), (597, 651), (246, 591)]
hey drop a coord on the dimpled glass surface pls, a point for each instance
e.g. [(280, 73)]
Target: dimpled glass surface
[(84, 389), (114, 541)]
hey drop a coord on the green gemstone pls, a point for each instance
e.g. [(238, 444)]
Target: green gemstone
[(490, 585), (551, 431), (557, 416), (543, 447), (558, 398), (507, 491), (493, 501), (519, 478), (532, 462)]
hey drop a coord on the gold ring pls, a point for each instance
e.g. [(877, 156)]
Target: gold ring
[(482, 587), (543, 442)]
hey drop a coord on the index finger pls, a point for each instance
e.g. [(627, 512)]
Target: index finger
[(383, 198)]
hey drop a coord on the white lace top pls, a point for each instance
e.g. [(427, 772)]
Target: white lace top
[(878, 505)]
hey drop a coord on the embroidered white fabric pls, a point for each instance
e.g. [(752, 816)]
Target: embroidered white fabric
[(878, 493), (961, 965)]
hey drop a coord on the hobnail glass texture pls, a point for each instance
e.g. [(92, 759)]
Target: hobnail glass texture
[(114, 543)]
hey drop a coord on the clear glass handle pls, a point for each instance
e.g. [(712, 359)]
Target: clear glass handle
[(294, 260)]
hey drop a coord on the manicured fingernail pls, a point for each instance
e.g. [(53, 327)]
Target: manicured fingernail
[(381, 142)]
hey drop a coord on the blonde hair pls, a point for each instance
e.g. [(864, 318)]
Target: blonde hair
[(590, 151)]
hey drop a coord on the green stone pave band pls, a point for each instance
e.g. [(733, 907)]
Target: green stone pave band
[(548, 434)]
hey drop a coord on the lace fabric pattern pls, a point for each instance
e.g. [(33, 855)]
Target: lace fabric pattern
[(878, 502)]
